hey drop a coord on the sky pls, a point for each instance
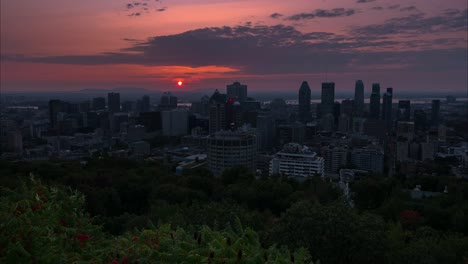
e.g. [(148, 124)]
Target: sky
[(68, 45)]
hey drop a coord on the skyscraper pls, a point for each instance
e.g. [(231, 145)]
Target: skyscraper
[(435, 112), (55, 107), (237, 91), (113, 102), (404, 110), (304, 102), (359, 98), (374, 111), (328, 98), (168, 101), (145, 104), (217, 112), (387, 108), (99, 103)]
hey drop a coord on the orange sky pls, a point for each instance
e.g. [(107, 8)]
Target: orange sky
[(88, 27)]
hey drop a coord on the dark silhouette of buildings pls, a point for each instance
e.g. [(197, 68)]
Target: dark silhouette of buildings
[(168, 101), (359, 98), (387, 108), (99, 103), (145, 104), (420, 120), (113, 102), (55, 106), (304, 102), (328, 98), (435, 109), (237, 91), (217, 117), (374, 110), (404, 110)]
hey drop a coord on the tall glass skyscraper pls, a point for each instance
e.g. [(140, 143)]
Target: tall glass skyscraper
[(374, 111), (359, 99), (304, 102), (328, 98)]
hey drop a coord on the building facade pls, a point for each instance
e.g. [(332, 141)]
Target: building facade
[(227, 149), (297, 161)]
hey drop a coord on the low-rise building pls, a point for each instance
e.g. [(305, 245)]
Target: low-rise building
[(297, 161)]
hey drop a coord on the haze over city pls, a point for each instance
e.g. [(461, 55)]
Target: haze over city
[(57, 45)]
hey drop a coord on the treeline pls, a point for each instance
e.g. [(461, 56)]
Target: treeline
[(385, 225)]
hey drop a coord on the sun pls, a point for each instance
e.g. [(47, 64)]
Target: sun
[(179, 83)]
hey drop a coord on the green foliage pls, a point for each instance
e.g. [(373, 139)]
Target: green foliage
[(122, 197), (41, 224)]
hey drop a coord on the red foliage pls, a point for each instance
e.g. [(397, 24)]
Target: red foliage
[(83, 237), (36, 207), (409, 216)]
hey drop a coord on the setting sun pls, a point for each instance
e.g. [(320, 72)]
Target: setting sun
[(179, 83)]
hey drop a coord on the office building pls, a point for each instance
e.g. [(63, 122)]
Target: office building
[(335, 158), (359, 98), (145, 104), (174, 122), (168, 101), (404, 110), (152, 121), (217, 112), (237, 91), (328, 98), (55, 107), (227, 149), (387, 109), (347, 108), (99, 103), (297, 161), (369, 158), (374, 109), (405, 130), (435, 109), (420, 120), (113, 102), (304, 102), (265, 131)]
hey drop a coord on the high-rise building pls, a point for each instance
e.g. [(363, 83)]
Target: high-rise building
[(237, 91), (304, 102), (145, 104), (168, 101), (370, 158), (359, 98), (152, 121), (335, 158), (227, 149), (174, 122), (435, 112), (55, 106), (265, 131), (297, 161), (405, 130), (201, 107), (420, 119), (374, 110), (347, 108), (404, 110), (387, 109), (328, 98), (217, 112), (113, 102), (99, 103)]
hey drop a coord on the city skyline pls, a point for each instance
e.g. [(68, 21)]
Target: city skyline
[(414, 47)]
